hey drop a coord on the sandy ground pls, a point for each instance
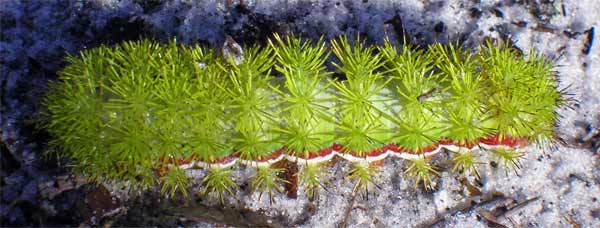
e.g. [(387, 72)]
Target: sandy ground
[(557, 186)]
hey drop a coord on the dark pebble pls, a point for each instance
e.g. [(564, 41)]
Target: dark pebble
[(521, 24), (498, 12), (587, 48), (494, 164), (439, 27), (475, 12), (397, 25), (149, 5)]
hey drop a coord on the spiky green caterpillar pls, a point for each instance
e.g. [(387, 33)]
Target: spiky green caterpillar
[(143, 112)]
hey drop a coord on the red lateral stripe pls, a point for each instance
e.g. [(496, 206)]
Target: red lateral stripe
[(226, 159), (338, 147), (178, 161), (466, 145), (273, 155), (495, 140), (446, 142), (492, 140), (376, 152), (312, 155), (392, 147), (326, 151), (515, 142), (166, 159), (423, 151), (185, 161), (372, 153), (505, 141)]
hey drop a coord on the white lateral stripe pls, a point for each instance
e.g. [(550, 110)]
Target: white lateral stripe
[(491, 147), (345, 156), (263, 163), (350, 157), (315, 160), (380, 157), (206, 165), (188, 166), (410, 156), (452, 148)]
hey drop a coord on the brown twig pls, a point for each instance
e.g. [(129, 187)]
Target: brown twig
[(521, 204), (349, 209), (468, 204), (490, 217), (290, 175), (572, 221)]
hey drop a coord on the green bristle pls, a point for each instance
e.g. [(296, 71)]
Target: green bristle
[(209, 135), (420, 169), (465, 161), (174, 181), (363, 175), (509, 158), (313, 177), (252, 104), (466, 91), (267, 179), (207, 142), (416, 93), (218, 183), (306, 124), (360, 126), (547, 97), (524, 94)]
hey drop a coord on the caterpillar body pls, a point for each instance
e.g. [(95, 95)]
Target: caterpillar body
[(129, 112)]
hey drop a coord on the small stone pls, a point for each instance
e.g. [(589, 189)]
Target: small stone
[(232, 51), (475, 12), (439, 27)]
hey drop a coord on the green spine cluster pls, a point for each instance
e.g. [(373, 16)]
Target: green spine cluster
[(124, 113)]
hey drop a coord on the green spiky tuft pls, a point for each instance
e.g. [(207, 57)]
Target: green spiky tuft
[(218, 183), (421, 170), (465, 105), (465, 161), (509, 158), (416, 90), (252, 106), (174, 181), (312, 176), (306, 124), (363, 175), (267, 179), (360, 97), (524, 93)]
